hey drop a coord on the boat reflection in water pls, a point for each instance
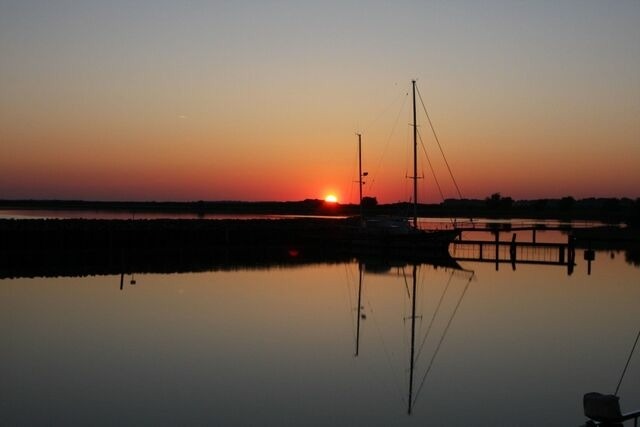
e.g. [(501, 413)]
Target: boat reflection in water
[(262, 337), (416, 350)]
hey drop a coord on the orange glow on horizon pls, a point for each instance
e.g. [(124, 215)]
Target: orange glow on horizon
[(331, 198)]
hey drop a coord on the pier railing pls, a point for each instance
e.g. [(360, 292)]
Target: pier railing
[(504, 226), (512, 252)]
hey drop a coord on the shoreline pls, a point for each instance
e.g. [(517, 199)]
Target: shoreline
[(607, 210)]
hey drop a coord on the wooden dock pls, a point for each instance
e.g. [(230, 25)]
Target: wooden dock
[(513, 252)]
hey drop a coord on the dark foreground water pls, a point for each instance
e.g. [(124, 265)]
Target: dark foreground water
[(277, 346)]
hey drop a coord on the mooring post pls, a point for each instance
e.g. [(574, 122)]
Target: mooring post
[(589, 256), (571, 250), (122, 266), (497, 249), (512, 251)]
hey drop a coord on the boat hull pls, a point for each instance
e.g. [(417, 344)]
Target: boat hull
[(417, 244)]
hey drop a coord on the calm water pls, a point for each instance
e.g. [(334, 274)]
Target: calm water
[(277, 346)]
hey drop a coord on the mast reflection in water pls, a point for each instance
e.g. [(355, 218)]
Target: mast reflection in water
[(411, 295), (274, 344)]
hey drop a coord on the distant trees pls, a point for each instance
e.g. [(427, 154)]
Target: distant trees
[(496, 201), (611, 205), (540, 204), (566, 203), (369, 202)]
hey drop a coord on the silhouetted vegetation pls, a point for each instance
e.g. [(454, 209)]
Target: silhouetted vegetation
[(540, 205), (567, 203), (369, 202), (612, 210), (496, 201)]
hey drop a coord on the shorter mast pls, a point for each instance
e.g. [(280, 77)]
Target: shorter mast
[(415, 159), (360, 172), (360, 175)]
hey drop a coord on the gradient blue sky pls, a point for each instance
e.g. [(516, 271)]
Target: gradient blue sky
[(158, 100)]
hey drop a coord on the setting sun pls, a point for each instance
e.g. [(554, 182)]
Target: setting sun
[(330, 198)]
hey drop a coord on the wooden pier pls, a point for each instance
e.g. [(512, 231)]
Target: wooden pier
[(513, 252)]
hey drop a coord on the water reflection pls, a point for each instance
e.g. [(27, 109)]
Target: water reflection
[(132, 281), (273, 343), (414, 354)]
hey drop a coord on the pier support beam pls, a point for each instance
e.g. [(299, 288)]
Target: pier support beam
[(512, 251), (497, 250), (571, 254)]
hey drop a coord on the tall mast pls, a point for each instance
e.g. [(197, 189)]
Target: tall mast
[(415, 159)]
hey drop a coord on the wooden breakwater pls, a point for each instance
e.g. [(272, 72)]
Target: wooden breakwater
[(64, 234), (99, 261), (73, 247)]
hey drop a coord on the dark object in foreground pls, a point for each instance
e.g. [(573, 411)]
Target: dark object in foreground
[(604, 410), (85, 247)]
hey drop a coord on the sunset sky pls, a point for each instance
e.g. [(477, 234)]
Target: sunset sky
[(239, 100)]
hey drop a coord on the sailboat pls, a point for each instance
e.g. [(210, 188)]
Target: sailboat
[(397, 236)]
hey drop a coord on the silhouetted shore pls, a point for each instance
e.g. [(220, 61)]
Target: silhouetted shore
[(611, 210)]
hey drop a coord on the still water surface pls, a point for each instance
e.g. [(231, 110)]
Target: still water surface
[(277, 346)]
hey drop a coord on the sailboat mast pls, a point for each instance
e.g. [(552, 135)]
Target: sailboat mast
[(415, 159), (360, 273), (413, 340), (360, 172)]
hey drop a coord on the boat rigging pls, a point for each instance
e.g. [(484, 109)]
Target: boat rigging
[(416, 144), (396, 236)]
